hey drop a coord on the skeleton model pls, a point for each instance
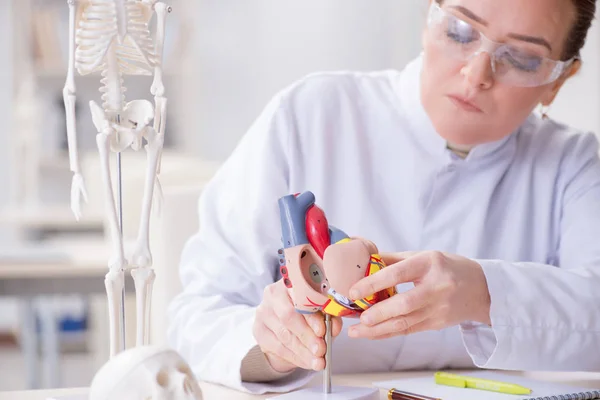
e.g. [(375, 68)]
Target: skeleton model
[(112, 37)]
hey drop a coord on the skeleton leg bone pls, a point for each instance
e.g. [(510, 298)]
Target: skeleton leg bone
[(141, 256), (114, 282), (143, 278), (118, 255)]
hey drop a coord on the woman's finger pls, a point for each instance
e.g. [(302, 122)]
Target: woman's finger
[(392, 327), (268, 345), (409, 270), (398, 305), (273, 346), (423, 326), (302, 356), (317, 322), (336, 327), (396, 257), (297, 325)]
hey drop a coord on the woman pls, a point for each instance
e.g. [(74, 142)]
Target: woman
[(445, 159)]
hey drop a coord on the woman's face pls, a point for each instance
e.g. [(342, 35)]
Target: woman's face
[(465, 103)]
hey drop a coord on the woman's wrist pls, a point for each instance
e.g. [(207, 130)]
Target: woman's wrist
[(482, 301)]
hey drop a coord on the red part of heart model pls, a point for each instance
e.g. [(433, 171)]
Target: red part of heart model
[(317, 230)]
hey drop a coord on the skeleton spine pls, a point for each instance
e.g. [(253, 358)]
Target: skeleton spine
[(113, 83)]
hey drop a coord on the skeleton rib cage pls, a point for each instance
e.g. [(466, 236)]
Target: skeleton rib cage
[(114, 40)]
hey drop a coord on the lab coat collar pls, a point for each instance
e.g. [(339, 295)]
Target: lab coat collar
[(409, 92)]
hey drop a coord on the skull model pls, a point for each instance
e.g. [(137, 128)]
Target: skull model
[(145, 373)]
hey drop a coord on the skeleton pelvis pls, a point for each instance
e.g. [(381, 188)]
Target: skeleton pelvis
[(128, 126)]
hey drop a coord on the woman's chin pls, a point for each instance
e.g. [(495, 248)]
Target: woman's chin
[(460, 131), (459, 137)]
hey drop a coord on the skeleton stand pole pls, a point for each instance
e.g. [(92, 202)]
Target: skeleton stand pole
[(327, 372)]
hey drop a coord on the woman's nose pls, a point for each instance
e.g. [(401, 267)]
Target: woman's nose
[(478, 71)]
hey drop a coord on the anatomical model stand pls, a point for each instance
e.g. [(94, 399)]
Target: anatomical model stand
[(319, 264), (112, 37)]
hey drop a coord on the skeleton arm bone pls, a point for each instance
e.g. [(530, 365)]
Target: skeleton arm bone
[(158, 88), (77, 185), (69, 91)]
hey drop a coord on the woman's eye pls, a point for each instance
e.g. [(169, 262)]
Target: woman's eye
[(527, 64), (461, 32)]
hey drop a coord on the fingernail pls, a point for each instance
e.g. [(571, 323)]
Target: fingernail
[(366, 318), (316, 327), (315, 349), (352, 332), (315, 364), (353, 294)]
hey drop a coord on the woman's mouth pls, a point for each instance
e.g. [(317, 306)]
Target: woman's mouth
[(464, 104)]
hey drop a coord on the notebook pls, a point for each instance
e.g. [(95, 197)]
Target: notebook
[(539, 390)]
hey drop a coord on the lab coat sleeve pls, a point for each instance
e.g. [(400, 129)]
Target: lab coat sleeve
[(225, 267), (544, 317)]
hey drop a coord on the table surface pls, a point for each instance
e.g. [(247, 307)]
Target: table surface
[(210, 391)]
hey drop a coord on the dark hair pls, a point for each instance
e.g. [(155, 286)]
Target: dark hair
[(585, 12)]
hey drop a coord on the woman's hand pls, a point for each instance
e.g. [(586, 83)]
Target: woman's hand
[(448, 290), (287, 338)]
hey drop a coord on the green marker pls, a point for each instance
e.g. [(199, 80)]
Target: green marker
[(444, 378)]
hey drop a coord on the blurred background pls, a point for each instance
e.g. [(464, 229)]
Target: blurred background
[(224, 59)]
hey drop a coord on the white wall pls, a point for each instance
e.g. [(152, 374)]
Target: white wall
[(578, 102), (248, 50)]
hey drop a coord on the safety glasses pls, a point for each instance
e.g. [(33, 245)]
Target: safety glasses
[(511, 65)]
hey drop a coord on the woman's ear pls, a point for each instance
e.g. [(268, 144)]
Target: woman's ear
[(548, 98)]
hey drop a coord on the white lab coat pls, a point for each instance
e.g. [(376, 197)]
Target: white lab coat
[(526, 207)]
